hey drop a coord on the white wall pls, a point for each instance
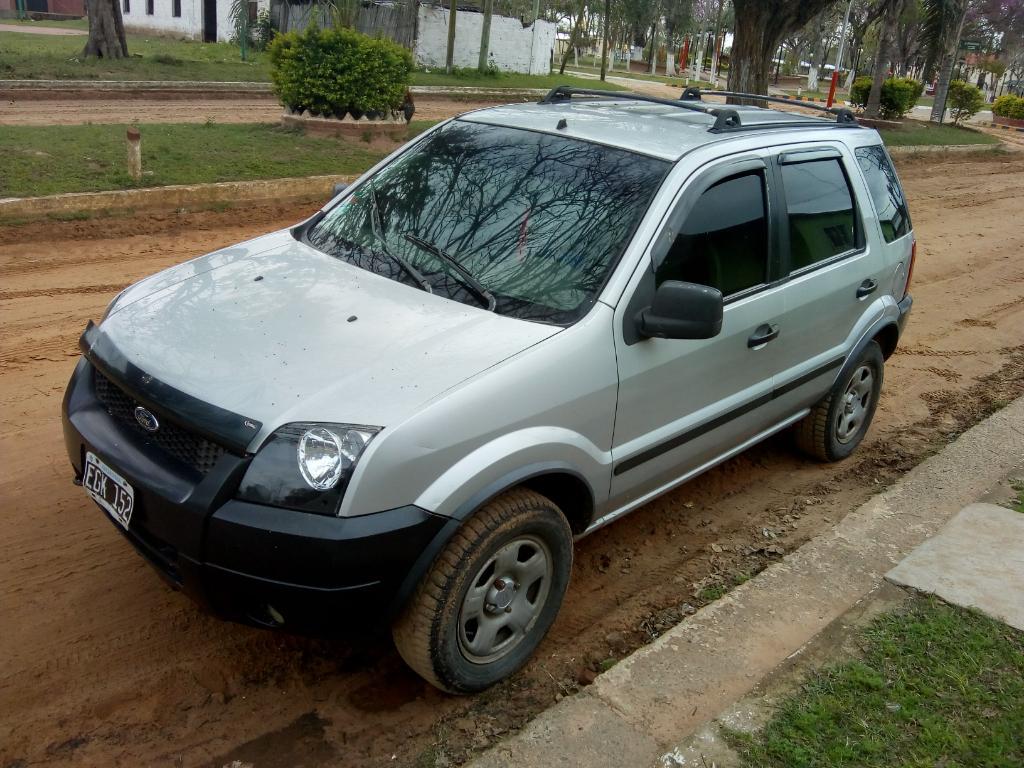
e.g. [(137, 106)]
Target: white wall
[(513, 48), (189, 24)]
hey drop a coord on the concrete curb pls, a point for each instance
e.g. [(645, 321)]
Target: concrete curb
[(174, 90), (954, 148), (638, 712), (171, 198)]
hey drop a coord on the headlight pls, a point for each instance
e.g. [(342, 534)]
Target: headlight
[(305, 466)]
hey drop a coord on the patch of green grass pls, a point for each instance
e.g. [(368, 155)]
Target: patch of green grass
[(607, 664), (926, 101), (92, 157), (51, 57), (712, 593), (472, 78), (937, 686), (678, 81), (919, 133), (1018, 505)]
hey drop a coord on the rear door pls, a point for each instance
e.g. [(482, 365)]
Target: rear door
[(683, 403), (833, 268)]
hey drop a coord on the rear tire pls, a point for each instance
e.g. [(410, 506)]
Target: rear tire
[(491, 595), (838, 422)]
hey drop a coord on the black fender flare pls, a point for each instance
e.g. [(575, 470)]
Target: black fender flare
[(472, 504)]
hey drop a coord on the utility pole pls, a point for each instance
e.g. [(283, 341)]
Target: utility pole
[(449, 59), (604, 38), (839, 56), (485, 35)]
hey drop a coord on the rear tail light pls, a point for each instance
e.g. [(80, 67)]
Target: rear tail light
[(910, 272)]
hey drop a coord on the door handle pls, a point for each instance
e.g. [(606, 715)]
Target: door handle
[(763, 335), (866, 288)]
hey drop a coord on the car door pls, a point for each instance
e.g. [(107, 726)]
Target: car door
[(683, 403), (833, 269)]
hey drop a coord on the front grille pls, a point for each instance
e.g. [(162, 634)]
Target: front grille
[(188, 448)]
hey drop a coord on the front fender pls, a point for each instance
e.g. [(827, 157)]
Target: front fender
[(509, 460)]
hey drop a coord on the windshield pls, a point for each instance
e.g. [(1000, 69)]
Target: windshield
[(536, 221)]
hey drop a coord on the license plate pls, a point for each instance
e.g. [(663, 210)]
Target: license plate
[(108, 489)]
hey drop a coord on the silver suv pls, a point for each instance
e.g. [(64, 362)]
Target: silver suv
[(522, 325)]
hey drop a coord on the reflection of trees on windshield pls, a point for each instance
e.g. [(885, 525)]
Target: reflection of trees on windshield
[(538, 219)]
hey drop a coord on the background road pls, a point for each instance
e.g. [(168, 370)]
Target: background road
[(103, 665)]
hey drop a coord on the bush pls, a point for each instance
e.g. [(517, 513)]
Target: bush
[(899, 95), (334, 72), (963, 100), (1009, 106)]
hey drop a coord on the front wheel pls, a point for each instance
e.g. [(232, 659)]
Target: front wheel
[(490, 596), (838, 422)]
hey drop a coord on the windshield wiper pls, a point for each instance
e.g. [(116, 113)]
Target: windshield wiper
[(471, 282), (378, 232)]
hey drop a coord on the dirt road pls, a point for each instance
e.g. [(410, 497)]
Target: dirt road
[(103, 665)]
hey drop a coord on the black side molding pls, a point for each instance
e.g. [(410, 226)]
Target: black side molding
[(702, 429), (232, 430)]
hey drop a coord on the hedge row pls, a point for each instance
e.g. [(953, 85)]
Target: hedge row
[(334, 72), (899, 95), (1009, 106)]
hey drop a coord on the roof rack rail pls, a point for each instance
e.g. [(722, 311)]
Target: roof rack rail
[(843, 116), (726, 118)]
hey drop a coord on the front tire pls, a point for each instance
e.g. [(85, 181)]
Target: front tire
[(491, 595), (838, 422)]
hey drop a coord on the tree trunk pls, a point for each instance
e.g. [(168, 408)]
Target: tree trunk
[(817, 55), (886, 39), (604, 39), (106, 31), (485, 37), (449, 57), (652, 67), (716, 50), (947, 62), (760, 27), (574, 37)]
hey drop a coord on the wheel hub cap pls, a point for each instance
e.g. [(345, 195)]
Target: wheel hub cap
[(856, 404), (500, 596), (505, 599)]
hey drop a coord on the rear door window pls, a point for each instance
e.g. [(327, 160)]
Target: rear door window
[(821, 214), (724, 241), (886, 192)]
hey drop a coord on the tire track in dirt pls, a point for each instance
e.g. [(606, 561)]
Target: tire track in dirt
[(103, 664)]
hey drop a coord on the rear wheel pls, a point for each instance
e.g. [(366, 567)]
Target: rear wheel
[(490, 596), (838, 422)]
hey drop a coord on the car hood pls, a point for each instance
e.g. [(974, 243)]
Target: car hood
[(277, 331)]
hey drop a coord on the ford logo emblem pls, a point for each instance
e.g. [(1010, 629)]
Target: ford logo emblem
[(146, 419)]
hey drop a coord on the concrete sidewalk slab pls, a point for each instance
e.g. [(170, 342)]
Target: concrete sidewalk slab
[(666, 691), (975, 561)]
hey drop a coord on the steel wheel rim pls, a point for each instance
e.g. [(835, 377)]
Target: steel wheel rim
[(505, 599), (854, 406)]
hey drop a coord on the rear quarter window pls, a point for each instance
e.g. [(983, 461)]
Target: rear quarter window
[(886, 192)]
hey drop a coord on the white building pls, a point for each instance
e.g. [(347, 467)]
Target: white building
[(514, 46), (207, 20)]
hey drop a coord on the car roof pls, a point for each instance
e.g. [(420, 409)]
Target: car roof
[(659, 130)]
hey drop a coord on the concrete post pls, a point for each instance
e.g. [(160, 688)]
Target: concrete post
[(450, 53), (134, 154), (485, 35)]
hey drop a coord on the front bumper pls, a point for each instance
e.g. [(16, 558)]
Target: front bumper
[(244, 561)]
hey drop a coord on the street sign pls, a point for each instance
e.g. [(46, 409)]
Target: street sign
[(970, 45)]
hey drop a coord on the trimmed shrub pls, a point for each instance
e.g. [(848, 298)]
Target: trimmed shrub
[(899, 95), (963, 100), (1009, 106), (334, 72)]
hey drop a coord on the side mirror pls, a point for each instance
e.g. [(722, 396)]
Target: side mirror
[(682, 311), (340, 187)]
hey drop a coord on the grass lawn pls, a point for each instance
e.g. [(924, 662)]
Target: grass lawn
[(918, 133), (937, 686), (1018, 505), (926, 101), (92, 157), (43, 57), (474, 79)]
